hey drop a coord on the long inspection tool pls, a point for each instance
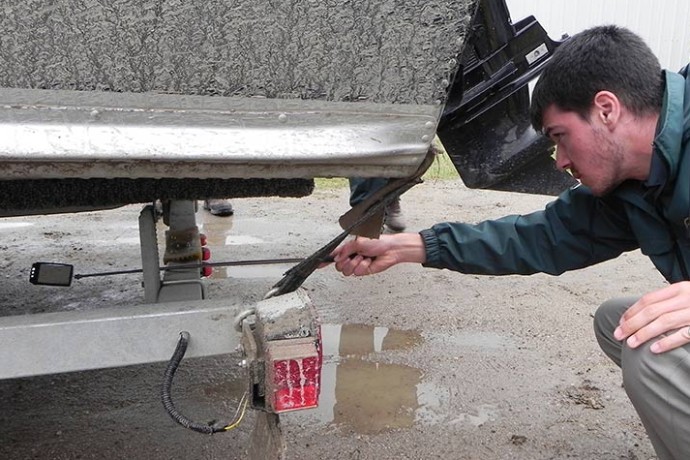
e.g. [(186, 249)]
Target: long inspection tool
[(182, 266), (358, 221)]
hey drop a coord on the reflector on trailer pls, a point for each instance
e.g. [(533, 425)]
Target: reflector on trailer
[(281, 340), (293, 374)]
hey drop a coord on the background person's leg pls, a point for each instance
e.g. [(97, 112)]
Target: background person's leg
[(361, 188)]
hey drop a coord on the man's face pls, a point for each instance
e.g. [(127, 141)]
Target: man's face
[(586, 148)]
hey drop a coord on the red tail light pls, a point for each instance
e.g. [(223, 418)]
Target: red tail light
[(293, 374), (282, 346)]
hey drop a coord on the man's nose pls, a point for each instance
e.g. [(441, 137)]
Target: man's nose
[(562, 160)]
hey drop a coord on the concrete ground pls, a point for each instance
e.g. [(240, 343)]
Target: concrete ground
[(419, 363)]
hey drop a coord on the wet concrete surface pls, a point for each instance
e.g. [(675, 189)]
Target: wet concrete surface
[(418, 363)]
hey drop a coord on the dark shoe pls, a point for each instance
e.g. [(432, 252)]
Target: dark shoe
[(393, 217), (220, 208)]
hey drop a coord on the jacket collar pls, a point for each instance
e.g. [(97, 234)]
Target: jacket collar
[(669, 135)]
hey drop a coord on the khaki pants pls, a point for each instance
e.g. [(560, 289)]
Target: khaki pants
[(657, 385)]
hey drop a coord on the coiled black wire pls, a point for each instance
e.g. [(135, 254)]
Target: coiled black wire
[(173, 364)]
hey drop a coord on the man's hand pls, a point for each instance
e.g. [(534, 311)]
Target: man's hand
[(364, 256), (666, 311)]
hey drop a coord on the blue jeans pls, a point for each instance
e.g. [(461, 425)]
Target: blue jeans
[(362, 188)]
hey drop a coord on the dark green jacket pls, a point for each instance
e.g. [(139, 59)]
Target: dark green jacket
[(578, 229)]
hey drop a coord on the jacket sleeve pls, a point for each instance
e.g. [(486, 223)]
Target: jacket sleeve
[(574, 231)]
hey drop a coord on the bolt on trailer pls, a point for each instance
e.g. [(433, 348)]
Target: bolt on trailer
[(167, 103)]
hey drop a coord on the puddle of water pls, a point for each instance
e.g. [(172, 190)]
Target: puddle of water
[(366, 396), (215, 228), (370, 397), (251, 271), (361, 339), (433, 408), (483, 414), (131, 240), (231, 240), (13, 225), (218, 231)]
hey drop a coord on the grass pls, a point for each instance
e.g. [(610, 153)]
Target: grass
[(441, 169), (324, 183)]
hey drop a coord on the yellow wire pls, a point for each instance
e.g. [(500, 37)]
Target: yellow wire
[(244, 397), (243, 406)]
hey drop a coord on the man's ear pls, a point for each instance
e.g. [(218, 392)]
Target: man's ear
[(606, 108)]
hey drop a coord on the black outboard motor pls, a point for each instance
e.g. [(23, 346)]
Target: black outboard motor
[(485, 126)]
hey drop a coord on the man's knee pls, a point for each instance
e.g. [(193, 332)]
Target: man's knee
[(638, 371), (645, 372), (606, 320)]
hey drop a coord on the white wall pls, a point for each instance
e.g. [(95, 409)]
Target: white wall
[(663, 24)]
